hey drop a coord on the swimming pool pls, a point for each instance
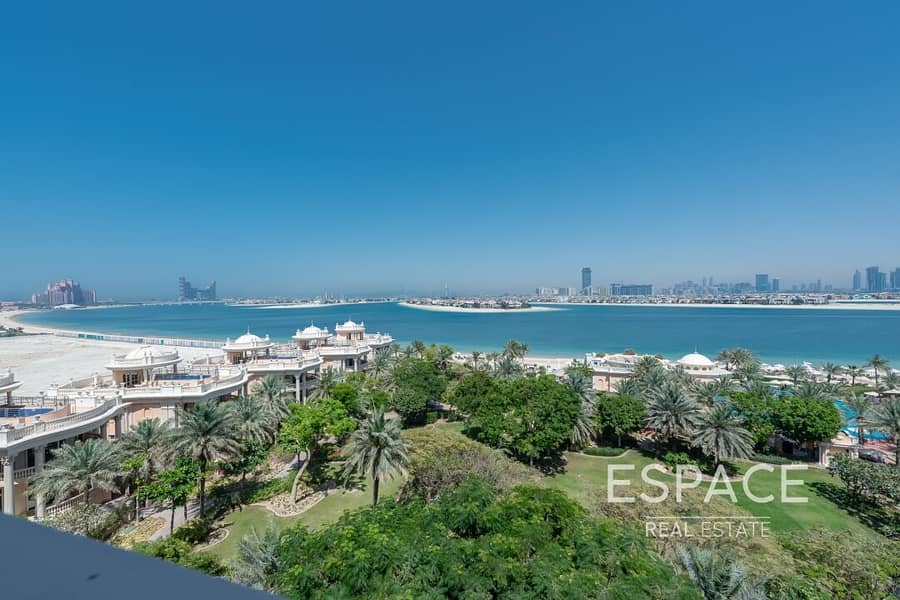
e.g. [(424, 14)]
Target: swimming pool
[(15, 412), (850, 418)]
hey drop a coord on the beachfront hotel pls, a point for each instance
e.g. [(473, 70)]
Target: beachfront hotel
[(611, 369), (152, 382)]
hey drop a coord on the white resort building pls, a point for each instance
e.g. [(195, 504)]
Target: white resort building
[(610, 369), (152, 382)]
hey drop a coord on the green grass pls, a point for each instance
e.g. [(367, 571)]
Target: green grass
[(338, 501), (585, 480)]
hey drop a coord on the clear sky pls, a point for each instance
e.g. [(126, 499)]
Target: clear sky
[(374, 147)]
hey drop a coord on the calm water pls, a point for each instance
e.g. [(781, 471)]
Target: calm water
[(775, 335)]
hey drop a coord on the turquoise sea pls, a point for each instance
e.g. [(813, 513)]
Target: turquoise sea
[(775, 335)]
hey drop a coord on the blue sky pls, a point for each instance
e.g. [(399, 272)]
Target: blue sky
[(292, 148)]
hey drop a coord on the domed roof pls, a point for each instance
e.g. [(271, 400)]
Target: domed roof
[(348, 324), (151, 352), (248, 339), (312, 332), (695, 359)]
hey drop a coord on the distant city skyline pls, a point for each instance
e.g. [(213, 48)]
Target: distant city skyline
[(757, 282), (388, 150)]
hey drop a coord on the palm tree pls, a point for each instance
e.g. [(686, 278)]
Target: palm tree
[(705, 392), (476, 356), (329, 378), (146, 444), (747, 372), (796, 373), (672, 413), (583, 428), (854, 371), (207, 433), (82, 467), (257, 558), (381, 363), (886, 417), (270, 389), (629, 387), (377, 449), (515, 349), (831, 370), (720, 434), (878, 363), (860, 405), (813, 390), (727, 356), (719, 576), (508, 367), (417, 348), (891, 380), (255, 422), (759, 388)]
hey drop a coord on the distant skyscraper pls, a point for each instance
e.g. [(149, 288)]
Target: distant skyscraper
[(895, 279), (187, 292), (872, 280), (65, 291), (857, 280), (776, 284), (586, 280), (762, 282), (630, 289)]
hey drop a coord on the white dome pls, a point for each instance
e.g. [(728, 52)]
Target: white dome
[(150, 352), (349, 325), (248, 339), (695, 359), (311, 330)]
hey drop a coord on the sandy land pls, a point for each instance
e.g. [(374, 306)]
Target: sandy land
[(834, 306), (40, 360), (297, 305), (495, 311)]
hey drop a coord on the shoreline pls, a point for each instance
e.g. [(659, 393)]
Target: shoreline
[(10, 319), (893, 306), (491, 311)]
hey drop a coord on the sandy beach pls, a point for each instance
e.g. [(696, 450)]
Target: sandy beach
[(889, 306), (41, 360), (493, 311)]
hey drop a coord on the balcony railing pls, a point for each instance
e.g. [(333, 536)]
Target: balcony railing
[(8, 436), (20, 474)]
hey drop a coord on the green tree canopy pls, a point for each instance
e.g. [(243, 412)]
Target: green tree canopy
[(619, 415), (807, 420), (416, 382), (534, 543), (531, 416), (308, 426)]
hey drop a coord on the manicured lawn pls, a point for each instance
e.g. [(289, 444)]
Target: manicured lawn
[(585, 480), (328, 510)]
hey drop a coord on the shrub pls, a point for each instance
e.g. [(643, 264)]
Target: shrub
[(269, 489), (180, 552), (194, 531), (441, 459), (771, 459), (673, 459), (603, 451), (848, 565), (90, 520), (431, 416)]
